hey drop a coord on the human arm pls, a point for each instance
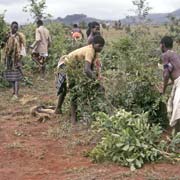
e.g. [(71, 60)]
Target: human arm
[(82, 34), (166, 72), (37, 39), (88, 70)]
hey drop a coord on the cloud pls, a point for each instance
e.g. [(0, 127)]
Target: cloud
[(11, 2)]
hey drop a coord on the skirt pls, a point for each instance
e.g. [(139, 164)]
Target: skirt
[(13, 75), (60, 79)]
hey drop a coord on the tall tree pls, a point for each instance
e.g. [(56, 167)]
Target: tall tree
[(37, 8), (142, 8)]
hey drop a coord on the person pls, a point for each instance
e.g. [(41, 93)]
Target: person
[(94, 30), (14, 49), (40, 47), (88, 31), (76, 33), (171, 75), (87, 54)]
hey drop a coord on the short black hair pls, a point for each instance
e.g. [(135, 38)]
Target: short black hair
[(94, 24), (89, 24), (98, 40), (39, 22), (167, 41), (14, 22), (75, 25)]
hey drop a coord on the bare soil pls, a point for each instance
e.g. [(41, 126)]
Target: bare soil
[(54, 149)]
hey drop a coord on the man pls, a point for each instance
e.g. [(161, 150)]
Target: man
[(14, 49), (76, 33), (94, 30), (171, 71), (40, 47), (85, 54)]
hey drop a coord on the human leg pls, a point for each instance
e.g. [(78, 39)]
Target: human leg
[(61, 98), (74, 110), (177, 126)]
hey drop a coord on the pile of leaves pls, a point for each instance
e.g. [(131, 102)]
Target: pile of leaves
[(129, 140)]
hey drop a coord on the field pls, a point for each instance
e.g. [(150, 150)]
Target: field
[(54, 149)]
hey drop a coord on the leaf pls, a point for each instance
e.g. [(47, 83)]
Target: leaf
[(125, 148), (132, 167), (130, 160)]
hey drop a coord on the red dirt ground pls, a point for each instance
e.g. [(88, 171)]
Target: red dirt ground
[(53, 150)]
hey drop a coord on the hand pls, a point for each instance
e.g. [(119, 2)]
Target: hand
[(100, 78), (160, 88), (31, 46)]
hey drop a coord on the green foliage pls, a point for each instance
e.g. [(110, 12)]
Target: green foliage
[(128, 139), (60, 45), (142, 8), (132, 75), (36, 8), (174, 28), (3, 26), (88, 93)]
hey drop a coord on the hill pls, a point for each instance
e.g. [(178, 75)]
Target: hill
[(76, 19), (159, 18)]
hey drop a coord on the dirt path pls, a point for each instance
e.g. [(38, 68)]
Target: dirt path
[(54, 150)]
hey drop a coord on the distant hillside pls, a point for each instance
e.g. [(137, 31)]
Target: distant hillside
[(159, 18), (76, 19)]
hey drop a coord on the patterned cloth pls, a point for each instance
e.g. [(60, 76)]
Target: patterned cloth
[(39, 59), (60, 79), (14, 45), (15, 75)]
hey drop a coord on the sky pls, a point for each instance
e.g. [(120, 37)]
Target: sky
[(100, 9)]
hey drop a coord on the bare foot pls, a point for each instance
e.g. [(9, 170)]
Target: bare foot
[(58, 111)]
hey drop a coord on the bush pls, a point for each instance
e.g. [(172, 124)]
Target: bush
[(128, 139)]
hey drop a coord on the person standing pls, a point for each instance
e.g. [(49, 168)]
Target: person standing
[(40, 47), (94, 29), (171, 75), (14, 49)]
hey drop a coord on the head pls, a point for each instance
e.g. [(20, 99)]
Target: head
[(95, 27), (75, 26), (98, 43), (39, 23), (14, 27), (166, 43)]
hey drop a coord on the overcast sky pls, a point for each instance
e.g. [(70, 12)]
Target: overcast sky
[(101, 9)]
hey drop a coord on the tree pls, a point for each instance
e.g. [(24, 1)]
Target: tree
[(3, 27), (174, 28), (36, 8), (142, 9)]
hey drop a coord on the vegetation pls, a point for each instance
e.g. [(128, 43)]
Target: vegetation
[(132, 113), (128, 139)]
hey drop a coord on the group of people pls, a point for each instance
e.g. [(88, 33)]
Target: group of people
[(14, 49), (14, 46)]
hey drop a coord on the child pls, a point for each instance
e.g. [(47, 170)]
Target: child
[(14, 48)]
